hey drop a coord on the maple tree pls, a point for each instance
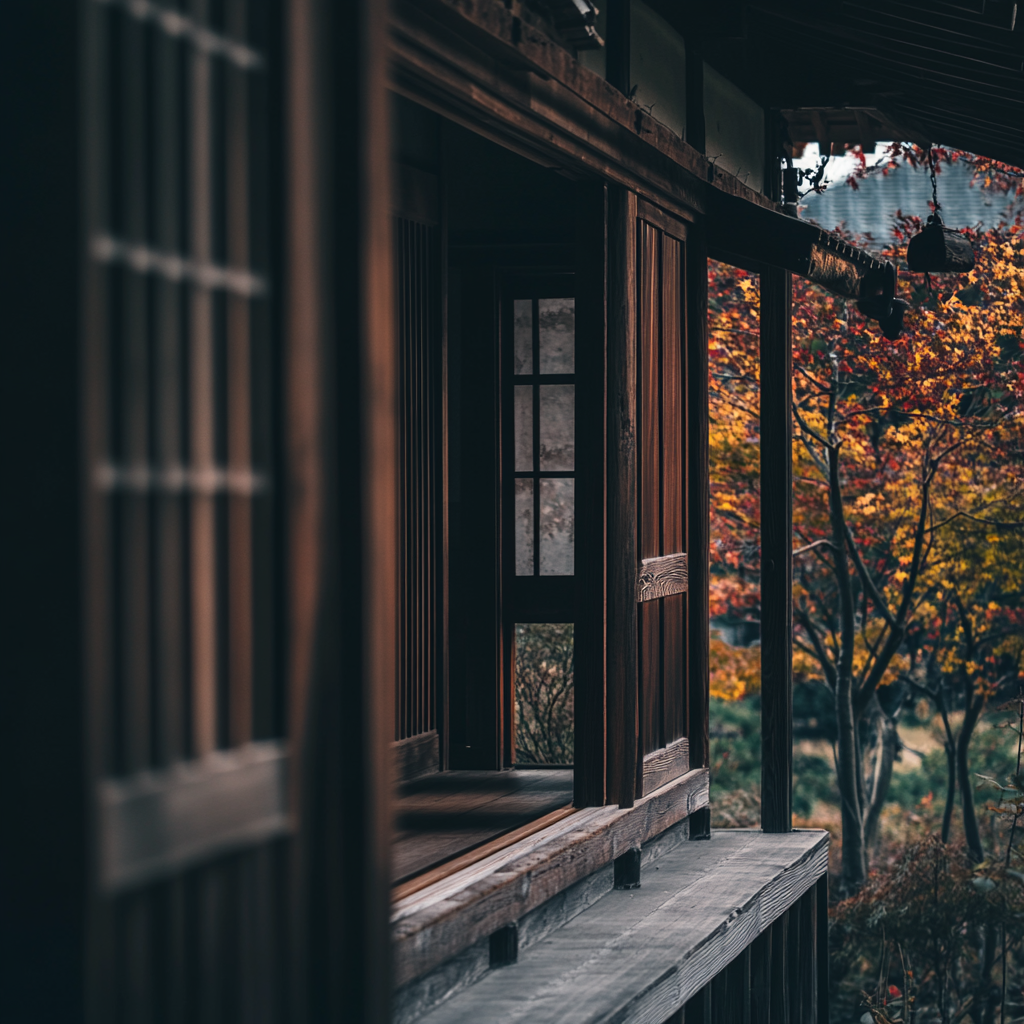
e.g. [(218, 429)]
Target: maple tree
[(908, 498)]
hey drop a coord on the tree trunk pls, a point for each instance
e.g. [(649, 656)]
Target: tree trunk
[(849, 773), (855, 867), (963, 742), (947, 813), (884, 749)]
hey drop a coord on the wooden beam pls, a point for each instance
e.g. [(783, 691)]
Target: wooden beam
[(416, 756), (623, 702), (591, 578), (776, 558), (661, 577), (664, 765), (154, 824), (433, 925)]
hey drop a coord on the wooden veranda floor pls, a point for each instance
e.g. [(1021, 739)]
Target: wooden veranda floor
[(441, 816)]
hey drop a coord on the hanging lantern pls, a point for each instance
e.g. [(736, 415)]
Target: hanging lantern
[(877, 291), (937, 249), (878, 299), (892, 325)]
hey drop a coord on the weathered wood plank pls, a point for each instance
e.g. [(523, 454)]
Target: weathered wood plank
[(435, 924), (662, 577), (640, 955), (664, 765)]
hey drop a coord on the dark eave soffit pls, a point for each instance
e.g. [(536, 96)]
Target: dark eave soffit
[(947, 72)]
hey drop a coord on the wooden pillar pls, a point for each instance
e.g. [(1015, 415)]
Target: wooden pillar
[(44, 375), (340, 365), (776, 557), (623, 708), (698, 604), (591, 510)]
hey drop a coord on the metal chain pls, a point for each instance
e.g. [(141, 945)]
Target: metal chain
[(935, 184)]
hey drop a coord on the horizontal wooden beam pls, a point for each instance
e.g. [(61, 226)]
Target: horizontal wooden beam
[(664, 765), (156, 823), (467, 61), (416, 756), (442, 920), (662, 577)]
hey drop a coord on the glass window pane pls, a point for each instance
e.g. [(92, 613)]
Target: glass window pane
[(544, 693), (523, 407), (522, 335), (557, 327), (557, 427), (557, 527), (523, 530)]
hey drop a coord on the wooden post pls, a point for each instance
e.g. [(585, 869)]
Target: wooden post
[(699, 555), (776, 557), (623, 708), (340, 411), (761, 978), (591, 510), (821, 939), (779, 1006)]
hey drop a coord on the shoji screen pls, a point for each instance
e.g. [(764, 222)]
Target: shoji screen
[(181, 623)]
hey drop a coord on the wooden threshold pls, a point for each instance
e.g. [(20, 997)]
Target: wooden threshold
[(434, 923), (442, 871)]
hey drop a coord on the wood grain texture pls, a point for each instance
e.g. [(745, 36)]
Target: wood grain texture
[(436, 923), (661, 577), (623, 707), (675, 468), (776, 556), (698, 638), (664, 765), (638, 956)]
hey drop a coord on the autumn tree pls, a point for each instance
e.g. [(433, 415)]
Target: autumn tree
[(905, 454)]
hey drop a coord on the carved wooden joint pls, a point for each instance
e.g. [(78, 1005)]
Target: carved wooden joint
[(662, 577)]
